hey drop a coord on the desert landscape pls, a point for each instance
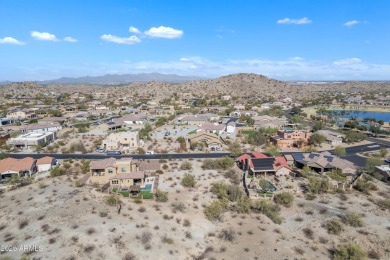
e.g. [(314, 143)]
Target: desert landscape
[(77, 223)]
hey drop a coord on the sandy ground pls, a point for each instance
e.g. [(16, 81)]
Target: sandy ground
[(67, 222)]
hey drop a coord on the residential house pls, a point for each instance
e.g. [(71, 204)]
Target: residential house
[(231, 127), (46, 163), (21, 114), (239, 113), (242, 160), (32, 139), (205, 140), (42, 128), (21, 167), (213, 128), (192, 120), (102, 170), (291, 138), (324, 162), (210, 116), (332, 138), (384, 170), (269, 122), (123, 141)]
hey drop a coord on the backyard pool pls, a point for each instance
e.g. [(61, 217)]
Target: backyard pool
[(147, 187), (270, 186)]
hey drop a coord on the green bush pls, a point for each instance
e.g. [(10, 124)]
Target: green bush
[(352, 219), (186, 165), (188, 181), (284, 198), (218, 164), (318, 185), (215, 210), (268, 209), (112, 200), (334, 226), (350, 251), (57, 171), (365, 186), (385, 203), (77, 183), (161, 196)]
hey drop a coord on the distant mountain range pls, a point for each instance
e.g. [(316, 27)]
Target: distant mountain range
[(114, 79)]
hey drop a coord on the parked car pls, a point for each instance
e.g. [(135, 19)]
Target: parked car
[(149, 152), (115, 152), (99, 149), (387, 160)]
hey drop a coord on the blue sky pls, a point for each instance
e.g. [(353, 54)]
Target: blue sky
[(283, 39)]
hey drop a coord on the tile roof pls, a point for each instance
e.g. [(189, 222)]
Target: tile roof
[(16, 165), (150, 165), (131, 175), (45, 160), (102, 164)]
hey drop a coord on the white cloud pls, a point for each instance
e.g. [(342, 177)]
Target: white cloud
[(11, 40), (351, 23), (133, 29), (348, 61), (43, 36), (120, 40), (164, 32), (70, 39), (297, 58), (286, 20)]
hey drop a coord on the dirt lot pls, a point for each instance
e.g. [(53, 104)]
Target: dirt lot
[(76, 223)]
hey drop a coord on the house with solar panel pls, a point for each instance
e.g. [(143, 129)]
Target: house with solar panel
[(324, 162), (258, 164)]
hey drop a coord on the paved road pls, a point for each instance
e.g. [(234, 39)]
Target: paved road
[(351, 154)]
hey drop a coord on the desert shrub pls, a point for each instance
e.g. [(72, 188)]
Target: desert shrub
[(188, 181), (219, 189), (91, 230), (308, 233), (159, 171), (233, 176), (227, 235), (365, 186), (161, 196), (142, 209), (146, 237), (318, 185), (334, 226), (352, 219), (129, 256), (41, 185), (112, 200), (22, 223), (268, 209), (385, 203), (350, 251), (214, 210), (186, 165), (284, 198), (57, 171), (187, 223), (167, 240), (243, 205), (77, 183), (218, 164), (178, 206), (103, 214)]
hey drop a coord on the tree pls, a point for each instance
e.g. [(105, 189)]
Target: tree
[(383, 152), (317, 139), (272, 150), (370, 165), (247, 119), (339, 151), (186, 165), (235, 149), (318, 126), (353, 136), (296, 110), (284, 198), (381, 122), (256, 138)]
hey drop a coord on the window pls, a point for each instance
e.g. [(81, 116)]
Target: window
[(114, 182), (123, 169), (110, 171)]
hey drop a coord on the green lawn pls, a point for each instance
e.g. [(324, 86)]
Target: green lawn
[(267, 194), (247, 132)]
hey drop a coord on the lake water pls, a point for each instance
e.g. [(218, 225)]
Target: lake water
[(385, 116)]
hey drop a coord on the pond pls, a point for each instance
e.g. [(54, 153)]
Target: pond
[(385, 116)]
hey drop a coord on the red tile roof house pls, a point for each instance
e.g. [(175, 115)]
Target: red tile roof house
[(46, 163), (257, 163), (21, 167)]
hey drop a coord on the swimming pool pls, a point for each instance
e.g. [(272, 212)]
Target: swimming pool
[(147, 187)]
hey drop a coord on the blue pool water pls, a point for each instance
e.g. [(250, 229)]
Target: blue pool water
[(147, 187)]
